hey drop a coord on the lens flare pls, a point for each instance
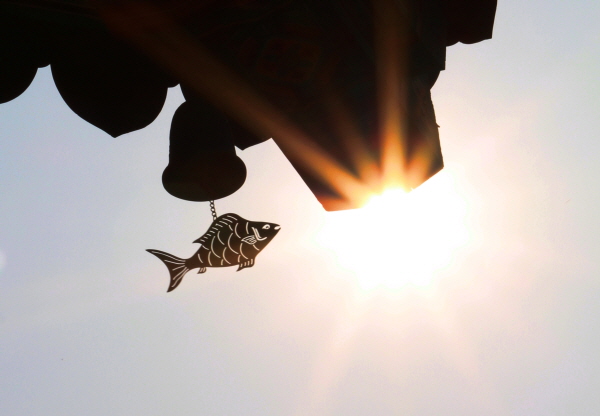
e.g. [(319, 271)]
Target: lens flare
[(400, 239)]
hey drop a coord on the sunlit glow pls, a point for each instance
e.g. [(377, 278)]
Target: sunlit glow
[(400, 238)]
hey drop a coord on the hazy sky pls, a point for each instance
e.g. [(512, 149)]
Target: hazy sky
[(506, 322)]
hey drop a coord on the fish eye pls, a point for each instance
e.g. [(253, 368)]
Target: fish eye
[(266, 227)]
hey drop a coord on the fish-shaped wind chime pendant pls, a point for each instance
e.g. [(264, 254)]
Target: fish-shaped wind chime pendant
[(230, 241)]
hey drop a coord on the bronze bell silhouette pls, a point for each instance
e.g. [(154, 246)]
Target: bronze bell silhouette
[(203, 165)]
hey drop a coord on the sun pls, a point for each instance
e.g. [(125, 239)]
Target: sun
[(399, 239)]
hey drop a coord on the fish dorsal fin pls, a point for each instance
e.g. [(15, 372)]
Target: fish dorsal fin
[(224, 222)]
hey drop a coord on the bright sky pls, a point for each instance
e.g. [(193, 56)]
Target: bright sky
[(490, 305)]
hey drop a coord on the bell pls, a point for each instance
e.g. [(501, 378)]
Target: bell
[(203, 165)]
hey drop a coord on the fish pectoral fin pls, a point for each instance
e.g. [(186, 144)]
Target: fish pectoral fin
[(202, 270), (246, 264), (249, 239)]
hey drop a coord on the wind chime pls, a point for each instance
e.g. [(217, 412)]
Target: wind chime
[(202, 154)]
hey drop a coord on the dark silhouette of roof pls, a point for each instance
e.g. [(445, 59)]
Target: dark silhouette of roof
[(342, 86)]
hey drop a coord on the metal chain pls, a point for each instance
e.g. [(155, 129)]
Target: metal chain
[(212, 210)]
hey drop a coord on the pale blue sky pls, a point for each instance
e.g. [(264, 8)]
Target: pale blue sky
[(510, 327)]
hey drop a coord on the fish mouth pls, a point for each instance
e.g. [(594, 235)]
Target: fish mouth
[(257, 235)]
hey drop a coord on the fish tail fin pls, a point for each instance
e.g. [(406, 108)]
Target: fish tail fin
[(176, 266)]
